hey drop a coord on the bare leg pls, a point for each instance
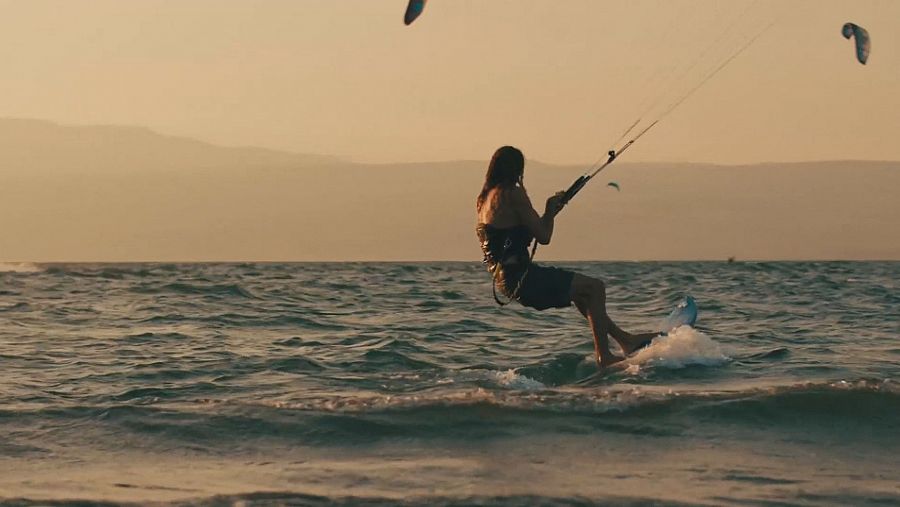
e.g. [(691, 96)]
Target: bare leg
[(627, 341), (589, 295)]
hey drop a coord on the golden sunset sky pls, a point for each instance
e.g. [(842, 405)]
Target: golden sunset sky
[(561, 79), (363, 110)]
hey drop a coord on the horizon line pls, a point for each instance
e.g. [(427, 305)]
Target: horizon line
[(350, 160), (445, 261)]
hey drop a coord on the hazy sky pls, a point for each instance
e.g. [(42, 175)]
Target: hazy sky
[(561, 79)]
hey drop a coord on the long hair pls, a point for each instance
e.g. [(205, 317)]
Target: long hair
[(505, 171)]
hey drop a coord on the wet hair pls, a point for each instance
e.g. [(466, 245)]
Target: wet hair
[(506, 170)]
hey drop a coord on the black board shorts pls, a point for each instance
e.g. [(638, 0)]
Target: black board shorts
[(543, 287)]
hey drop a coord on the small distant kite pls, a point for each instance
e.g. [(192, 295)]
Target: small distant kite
[(614, 185), (413, 10), (863, 43)]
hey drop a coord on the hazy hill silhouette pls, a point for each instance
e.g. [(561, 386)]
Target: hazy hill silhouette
[(36, 145), (122, 193)]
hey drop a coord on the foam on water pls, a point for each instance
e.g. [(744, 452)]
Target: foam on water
[(510, 379), (514, 380), (20, 267), (683, 346)]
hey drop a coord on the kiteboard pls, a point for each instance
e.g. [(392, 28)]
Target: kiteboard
[(684, 314)]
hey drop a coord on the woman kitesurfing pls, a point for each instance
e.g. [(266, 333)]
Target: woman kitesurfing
[(507, 225)]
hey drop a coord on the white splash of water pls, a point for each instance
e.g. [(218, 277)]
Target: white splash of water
[(19, 267), (507, 378), (510, 378), (683, 346)]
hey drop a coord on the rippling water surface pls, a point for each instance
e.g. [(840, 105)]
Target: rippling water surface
[(404, 383)]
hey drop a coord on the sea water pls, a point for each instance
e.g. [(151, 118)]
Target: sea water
[(389, 384)]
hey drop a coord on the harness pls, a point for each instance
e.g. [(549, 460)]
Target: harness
[(495, 267)]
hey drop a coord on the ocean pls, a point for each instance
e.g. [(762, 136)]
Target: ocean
[(404, 384)]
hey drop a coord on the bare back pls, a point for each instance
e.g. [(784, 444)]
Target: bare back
[(509, 207), (499, 208)]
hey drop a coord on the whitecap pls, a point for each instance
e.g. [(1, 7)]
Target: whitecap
[(511, 379), (683, 346), (505, 378), (20, 267)]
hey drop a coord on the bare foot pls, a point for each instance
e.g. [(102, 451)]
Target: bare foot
[(609, 360), (636, 341)]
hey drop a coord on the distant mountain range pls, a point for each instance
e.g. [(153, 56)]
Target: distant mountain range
[(37, 145), (128, 194)]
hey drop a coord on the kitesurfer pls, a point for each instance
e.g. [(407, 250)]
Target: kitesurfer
[(507, 224)]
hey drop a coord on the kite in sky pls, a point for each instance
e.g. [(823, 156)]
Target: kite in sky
[(863, 44), (413, 10)]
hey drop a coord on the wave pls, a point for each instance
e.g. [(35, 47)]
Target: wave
[(20, 267), (301, 499), (565, 368), (155, 338), (116, 271), (239, 320), (816, 398), (859, 409), (507, 379), (194, 289), (15, 307), (384, 359)]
